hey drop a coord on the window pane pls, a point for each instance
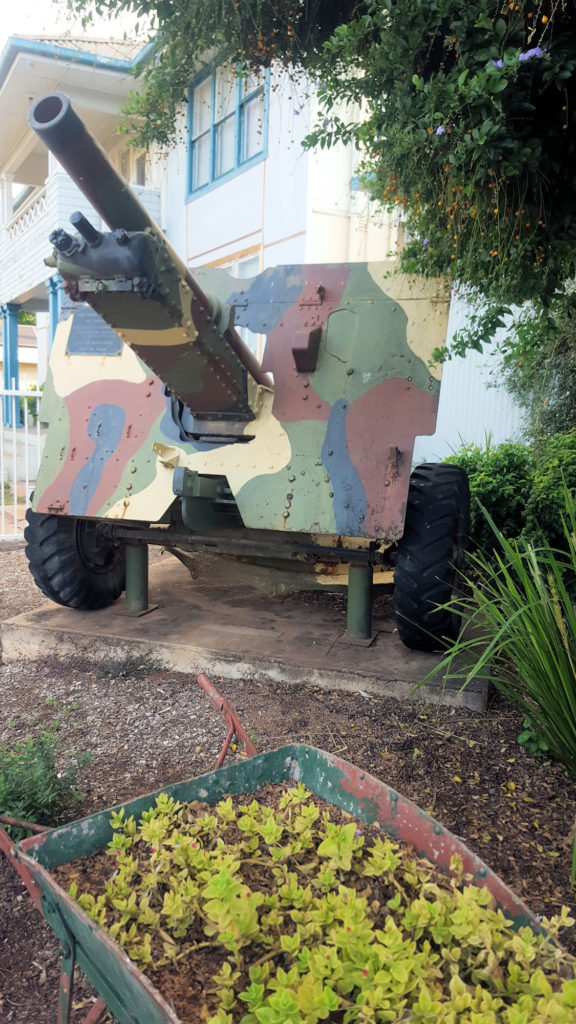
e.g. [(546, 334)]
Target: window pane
[(225, 142), (252, 114), (251, 83), (140, 170), (226, 90), (202, 112), (227, 124), (201, 161)]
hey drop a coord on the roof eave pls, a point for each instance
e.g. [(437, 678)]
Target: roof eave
[(16, 45)]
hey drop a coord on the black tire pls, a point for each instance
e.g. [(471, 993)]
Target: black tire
[(431, 557), (71, 563)]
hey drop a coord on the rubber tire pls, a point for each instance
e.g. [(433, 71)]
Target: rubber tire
[(431, 556), (70, 564)]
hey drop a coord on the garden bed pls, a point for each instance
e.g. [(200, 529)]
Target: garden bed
[(336, 922)]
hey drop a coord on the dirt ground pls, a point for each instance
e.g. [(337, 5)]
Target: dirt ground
[(145, 728)]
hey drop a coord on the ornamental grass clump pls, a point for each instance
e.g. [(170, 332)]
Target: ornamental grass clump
[(279, 914), (519, 605)]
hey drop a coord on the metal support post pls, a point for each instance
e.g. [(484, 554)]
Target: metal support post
[(12, 414), (54, 287), (359, 606), (136, 578)]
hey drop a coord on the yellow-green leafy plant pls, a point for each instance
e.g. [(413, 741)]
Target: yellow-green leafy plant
[(311, 919)]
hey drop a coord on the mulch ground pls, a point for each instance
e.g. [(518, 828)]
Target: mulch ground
[(146, 728)]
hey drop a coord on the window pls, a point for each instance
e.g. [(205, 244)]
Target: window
[(134, 166), (140, 169), (227, 125)]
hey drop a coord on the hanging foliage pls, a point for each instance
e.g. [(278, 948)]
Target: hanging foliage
[(469, 128), (189, 35)]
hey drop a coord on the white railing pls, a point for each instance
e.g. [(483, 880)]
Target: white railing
[(21, 444), (33, 210)]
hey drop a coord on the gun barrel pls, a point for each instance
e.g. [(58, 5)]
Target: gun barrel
[(56, 123)]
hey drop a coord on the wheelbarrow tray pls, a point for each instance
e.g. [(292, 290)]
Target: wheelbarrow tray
[(128, 994)]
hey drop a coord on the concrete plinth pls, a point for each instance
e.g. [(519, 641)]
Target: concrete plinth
[(235, 632)]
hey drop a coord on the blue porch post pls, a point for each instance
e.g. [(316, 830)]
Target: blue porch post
[(9, 312), (54, 287)]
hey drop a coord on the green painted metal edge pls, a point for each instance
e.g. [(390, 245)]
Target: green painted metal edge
[(126, 991), (86, 836)]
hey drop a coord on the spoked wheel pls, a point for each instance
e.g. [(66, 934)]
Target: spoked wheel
[(71, 563), (431, 556)]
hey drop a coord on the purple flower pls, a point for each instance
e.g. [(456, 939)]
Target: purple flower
[(326, 122), (440, 129), (537, 51), (498, 63), (358, 832), (425, 241)]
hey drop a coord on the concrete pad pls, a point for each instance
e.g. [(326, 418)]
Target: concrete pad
[(238, 633)]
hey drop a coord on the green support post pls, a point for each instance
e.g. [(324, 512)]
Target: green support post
[(359, 606), (136, 578)]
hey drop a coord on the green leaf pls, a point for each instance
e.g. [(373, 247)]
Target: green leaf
[(569, 993), (497, 85)]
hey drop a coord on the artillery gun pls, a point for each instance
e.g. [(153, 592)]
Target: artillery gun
[(165, 429)]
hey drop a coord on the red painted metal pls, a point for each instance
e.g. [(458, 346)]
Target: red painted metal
[(97, 1012), (65, 994), (29, 826), (235, 727), (7, 848)]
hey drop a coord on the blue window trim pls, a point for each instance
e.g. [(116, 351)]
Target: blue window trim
[(239, 165)]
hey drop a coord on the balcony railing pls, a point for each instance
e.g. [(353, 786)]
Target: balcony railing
[(28, 214)]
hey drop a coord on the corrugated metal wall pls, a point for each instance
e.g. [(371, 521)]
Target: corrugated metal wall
[(473, 404)]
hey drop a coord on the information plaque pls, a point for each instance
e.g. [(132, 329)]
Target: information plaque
[(90, 334)]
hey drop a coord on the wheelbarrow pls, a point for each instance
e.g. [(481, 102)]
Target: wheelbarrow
[(122, 988)]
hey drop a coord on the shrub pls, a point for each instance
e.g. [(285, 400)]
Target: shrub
[(520, 486), (553, 470), (500, 481), (31, 788)]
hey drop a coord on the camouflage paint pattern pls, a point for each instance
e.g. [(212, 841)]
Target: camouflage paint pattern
[(329, 448), (325, 450)]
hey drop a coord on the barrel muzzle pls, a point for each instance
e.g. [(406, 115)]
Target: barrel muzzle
[(57, 124)]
